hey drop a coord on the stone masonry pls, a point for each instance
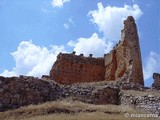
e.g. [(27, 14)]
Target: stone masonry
[(124, 61), (156, 77), (71, 68), (147, 103), (25, 90)]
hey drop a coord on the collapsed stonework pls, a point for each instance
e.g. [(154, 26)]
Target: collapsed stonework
[(124, 61), (148, 103), (156, 77), (25, 90)]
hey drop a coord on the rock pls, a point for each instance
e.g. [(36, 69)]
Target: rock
[(5, 86), (150, 95), (1, 90), (156, 78), (148, 103), (25, 90), (1, 107), (45, 77), (106, 95)]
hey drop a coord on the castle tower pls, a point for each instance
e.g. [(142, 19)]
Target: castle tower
[(125, 60), (130, 38)]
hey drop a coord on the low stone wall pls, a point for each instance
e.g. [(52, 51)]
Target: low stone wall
[(95, 95), (20, 91), (24, 90), (148, 103), (106, 95)]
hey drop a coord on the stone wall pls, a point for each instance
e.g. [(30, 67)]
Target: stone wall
[(95, 95), (148, 103), (24, 90), (71, 68), (125, 58), (106, 95), (20, 91)]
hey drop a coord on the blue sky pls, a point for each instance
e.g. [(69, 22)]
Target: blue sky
[(33, 32)]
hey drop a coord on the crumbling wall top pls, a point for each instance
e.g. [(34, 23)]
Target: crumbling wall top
[(81, 59)]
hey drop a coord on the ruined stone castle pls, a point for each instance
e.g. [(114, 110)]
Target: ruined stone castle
[(122, 67), (124, 61)]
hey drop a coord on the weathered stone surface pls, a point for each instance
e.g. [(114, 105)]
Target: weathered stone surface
[(124, 61), (148, 103), (95, 94), (23, 90), (125, 85), (71, 68), (19, 91), (156, 77), (106, 95)]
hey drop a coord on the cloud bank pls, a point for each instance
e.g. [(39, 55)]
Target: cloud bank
[(93, 45), (33, 60)]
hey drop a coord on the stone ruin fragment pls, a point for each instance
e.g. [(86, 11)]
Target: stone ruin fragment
[(156, 83)]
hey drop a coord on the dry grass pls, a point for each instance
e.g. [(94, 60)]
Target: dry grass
[(95, 83), (142, 93), (84, 116), (69, 110)]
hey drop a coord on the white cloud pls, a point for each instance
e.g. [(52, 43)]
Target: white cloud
[(109, 19), (110, 22), (66, 25), (7, 73), (152, 65), (69, 23), (70, 20), (33, 60), (93, 45), (59, 3)]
